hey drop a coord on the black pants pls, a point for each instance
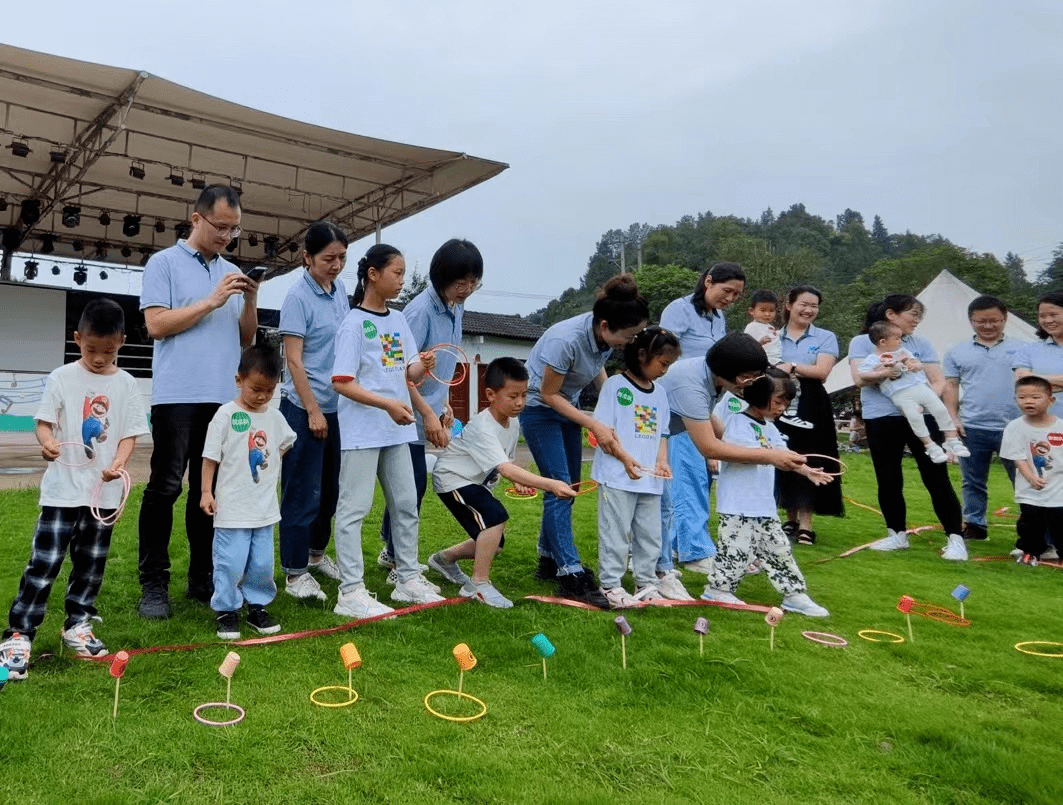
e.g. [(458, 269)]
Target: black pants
[(1035, 523), (887, 437), (178, 432)]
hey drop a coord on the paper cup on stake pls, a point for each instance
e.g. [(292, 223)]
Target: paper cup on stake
[(117, 670), (960, 594), (701, 628), (544, 648), (905, 605), (624, 628), (773, 617)]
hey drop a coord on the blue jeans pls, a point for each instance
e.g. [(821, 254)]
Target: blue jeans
[(310, 474), (243, 568), (420, 480), (685, 505), (975, 472), (555, 444)]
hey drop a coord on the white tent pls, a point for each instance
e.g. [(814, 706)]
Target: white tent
[(945, 323)]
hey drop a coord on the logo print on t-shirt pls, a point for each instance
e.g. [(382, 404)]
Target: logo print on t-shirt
[(240, 422), (391, 350), (369, 329), (734, 405), (624, 396), (645, 420), (94, 422), (761, 438)]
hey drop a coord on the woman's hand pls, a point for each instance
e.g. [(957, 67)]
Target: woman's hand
[(317, 424)]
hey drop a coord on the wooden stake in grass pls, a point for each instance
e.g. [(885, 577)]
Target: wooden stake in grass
[(772, 617), (118, 664), (960, 594), (624, 628), (544, 648), (701, 628), (905, 606)]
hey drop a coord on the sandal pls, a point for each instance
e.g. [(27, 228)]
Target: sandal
[(790, 528), (805, 537)]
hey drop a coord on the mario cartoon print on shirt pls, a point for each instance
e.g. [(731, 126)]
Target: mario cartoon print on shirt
[(257, 452), (94, 422), (1040, 457)]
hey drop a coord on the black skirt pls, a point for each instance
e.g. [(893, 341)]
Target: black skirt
[(793, 491)]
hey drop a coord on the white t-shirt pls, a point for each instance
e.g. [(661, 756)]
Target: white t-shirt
[(907, 379), (748, 489), (247, 447), (472, 457), (374, 349), (640, 419), (94, 410), (1042, 446), (773, 348), (729, 405)]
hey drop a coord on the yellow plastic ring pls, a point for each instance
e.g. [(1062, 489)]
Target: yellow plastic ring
[(351, 692), (1038, 643), (460, 695), (864, 633)]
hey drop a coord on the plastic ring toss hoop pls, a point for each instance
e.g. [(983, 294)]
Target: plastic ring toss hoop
[(513, 494), (81, 446), (826, 638), (458, 695), (352, 696), (866, 634), (222, 705), (1019, 647), (463, 364), (842, 466)]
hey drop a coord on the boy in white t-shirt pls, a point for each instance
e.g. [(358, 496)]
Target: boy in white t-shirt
[(1035, 443), (467, 470), (87, 424), (245, 442), (764, 310)]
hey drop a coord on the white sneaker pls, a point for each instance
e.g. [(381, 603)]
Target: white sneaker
[(1015, 553), (327, 567), (417, 590), (648, 592), (936, 454), (718, 596), (1051, 555), (15, 656), (360, 604), (393, 579), (385, 559), (803, 605), (448, 570), (486, 593), (955, 549), (619, 598), (891, 542), (957, 448), (796, 422), (670, 587), (81, 638), (304, 586), (700, 566)]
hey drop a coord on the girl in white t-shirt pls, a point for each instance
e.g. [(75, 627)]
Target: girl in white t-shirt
[(631, 482), (375, 359)]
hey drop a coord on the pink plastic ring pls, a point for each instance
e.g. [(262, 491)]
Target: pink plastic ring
[(841, 464), (83, 446), (826, 638), (234, 707), (463, 363)]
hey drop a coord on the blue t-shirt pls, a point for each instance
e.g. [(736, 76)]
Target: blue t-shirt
[(1042, 358), (691, 390), (314, 315), (570, 349), (987, 381), (433, 322), (874, 403), (815, 341), (696, 332)]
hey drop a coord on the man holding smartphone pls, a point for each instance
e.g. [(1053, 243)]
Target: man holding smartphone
[(201, 310)]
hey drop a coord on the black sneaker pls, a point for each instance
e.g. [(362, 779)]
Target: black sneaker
[(228, 625), (261, 621), (154, 603), (547, 570), (977, 533), (200, 591), (582, 587)]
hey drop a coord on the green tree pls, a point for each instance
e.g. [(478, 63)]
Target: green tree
[(1051, 278), (661, 284), (417, 283)]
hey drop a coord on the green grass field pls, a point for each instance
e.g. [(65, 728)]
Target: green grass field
[(958, 716)]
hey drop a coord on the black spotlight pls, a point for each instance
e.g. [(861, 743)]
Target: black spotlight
[(160, 225), (198, 182), (31, 211), (183, 231), (48, 244), (145, 254), (71, 216), (127, 252), (293, 247), (101, 249), (55, 270), (3, 203), (30, 270), (131, 226), (136, 169), (176, 177), (77, 245), (57, 156), (252, 240), (81, 276), (11, 238), (20, 147), (103, 275), (270, 244), (231, 247), (105, 218)]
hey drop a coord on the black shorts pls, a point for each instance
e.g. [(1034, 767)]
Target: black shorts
[(475, 509)]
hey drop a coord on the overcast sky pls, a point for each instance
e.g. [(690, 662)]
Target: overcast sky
[(940, 117)]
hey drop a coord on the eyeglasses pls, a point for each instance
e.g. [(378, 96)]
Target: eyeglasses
[(748, 380), (986, 322), (229, 231), (468, 285)]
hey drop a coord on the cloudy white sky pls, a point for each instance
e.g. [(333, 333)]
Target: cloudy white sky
[(941, 117)]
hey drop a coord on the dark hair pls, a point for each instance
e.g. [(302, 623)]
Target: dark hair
[(896, 302), (619, 304), (502, 369), (763, 295), (261, 358), (453, 261), (378, 256), (1050, 298), (102, 317), (649, 342), (721, 272), (212, 193), (758, 394), (795, 292), (1034, 380), (734, 355), (880, 330), (986, 302), (321, 234)]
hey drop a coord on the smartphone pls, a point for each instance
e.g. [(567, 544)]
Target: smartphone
[(256, 273)]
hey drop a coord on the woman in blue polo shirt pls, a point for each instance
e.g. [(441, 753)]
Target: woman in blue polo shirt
[(1044, 358), (569, 356), (310, 315), (809, 352)]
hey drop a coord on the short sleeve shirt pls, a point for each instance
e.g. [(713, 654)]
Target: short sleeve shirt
[(313, 314), (772, 348), (728, 405), (197, 365), (748, 489), (906, 380), (640, 419), (96, 412), (874, 403), (987, 381), (473, 457), (571, 350), (696, 331), (815, 341), (1042, 358), (433, 322), (691, 391), (247, 446), (1042, 446)]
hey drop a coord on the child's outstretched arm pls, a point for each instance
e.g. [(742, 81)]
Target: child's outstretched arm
[(433, 427), (121, 458), (416, 371), (46, 439), (401, 413), (816, 475), (1032, 478), (710, 447), (206, 497), (521, 477)]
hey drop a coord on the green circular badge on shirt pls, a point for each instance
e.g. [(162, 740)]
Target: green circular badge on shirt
[(240, 422), (734, 405), (624, 396), (369, 329)]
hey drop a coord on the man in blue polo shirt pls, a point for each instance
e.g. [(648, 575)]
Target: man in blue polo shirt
[(981, 369), (201, 310)]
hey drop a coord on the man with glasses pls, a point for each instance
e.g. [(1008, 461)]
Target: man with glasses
[(980, 370), (201, 311)]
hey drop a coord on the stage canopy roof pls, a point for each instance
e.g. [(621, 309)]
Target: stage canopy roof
[(95, 152)]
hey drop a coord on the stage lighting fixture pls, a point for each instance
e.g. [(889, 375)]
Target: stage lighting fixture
[(3, 203), (136, 169), (55, 270), (30, 270), (293, 247), (160, 225), (270, 244), (57, 156), (252, 240), (31, 211), (127, 252), (71, 216), (77, 245), (103, 275), (20, 147), (131, 226), (198, 182), (101, 249), (176, 177), (145, 255), (105, 218), (81, 276), (11, 238), (48, 243), (183, 231)]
